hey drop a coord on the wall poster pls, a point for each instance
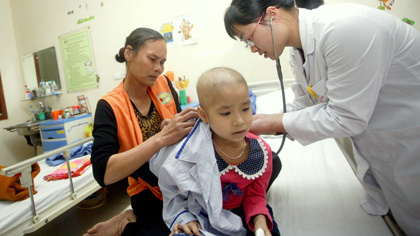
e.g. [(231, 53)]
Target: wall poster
[(179, 31), (78, 60)]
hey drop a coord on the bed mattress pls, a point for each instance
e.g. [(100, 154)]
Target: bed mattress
[(51, 195)]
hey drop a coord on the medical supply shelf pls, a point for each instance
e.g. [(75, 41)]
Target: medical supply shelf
[(61, 132)]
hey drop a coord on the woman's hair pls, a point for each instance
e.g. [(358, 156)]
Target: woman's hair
[(309, 4), (243, 12), (137, 39)]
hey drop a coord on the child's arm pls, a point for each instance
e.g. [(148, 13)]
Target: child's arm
[(260, 222), (175, 205), (255, 203), (175, 196)]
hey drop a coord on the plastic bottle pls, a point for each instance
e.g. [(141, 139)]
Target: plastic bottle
[(41, 88), (54, 87), (47, 88), (88, 130), (32, 113), (28, 94)]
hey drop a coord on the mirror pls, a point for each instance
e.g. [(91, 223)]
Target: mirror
[(40, 66)]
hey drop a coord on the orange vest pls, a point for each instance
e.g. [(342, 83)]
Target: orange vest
[(129, 132)]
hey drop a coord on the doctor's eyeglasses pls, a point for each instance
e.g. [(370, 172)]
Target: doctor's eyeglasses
[(249, 42)]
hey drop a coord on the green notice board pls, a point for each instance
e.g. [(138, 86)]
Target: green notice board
[(78, 60)]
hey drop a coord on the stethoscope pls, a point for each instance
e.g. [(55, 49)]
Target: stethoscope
[(280, 75)]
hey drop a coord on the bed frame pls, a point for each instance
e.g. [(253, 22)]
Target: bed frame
[(264, 87), (39, 219)]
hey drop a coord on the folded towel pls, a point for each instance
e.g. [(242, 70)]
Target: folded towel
[(77, 167), (11, 188), (74, 153)]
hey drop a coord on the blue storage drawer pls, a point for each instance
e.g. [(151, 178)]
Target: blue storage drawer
[(51, 145), (53, 132)]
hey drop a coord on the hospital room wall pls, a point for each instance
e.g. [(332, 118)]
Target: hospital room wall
[(13, 147), (401, 8), (31, 26)]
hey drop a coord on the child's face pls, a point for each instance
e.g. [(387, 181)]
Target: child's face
[(229, 114)]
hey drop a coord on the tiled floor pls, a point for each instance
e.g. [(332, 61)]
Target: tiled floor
[(77, 221)]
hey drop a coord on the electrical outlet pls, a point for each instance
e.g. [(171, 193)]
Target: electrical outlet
[(118, 76)]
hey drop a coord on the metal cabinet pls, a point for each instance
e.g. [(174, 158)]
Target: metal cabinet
[(58, 133)]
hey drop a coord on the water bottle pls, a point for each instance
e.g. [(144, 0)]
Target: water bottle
[(54, 87), (41, 89), (47, 88), (28, 94), (32, 113)]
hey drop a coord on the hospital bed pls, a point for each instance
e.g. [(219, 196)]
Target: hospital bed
[(316, 192), (52, 198)]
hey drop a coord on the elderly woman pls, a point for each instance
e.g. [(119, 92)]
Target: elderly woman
[(128, 132)]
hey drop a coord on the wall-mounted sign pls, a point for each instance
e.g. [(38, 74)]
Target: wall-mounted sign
[(79, 61)]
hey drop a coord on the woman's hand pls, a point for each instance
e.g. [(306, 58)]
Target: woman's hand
[(176, 129), (267, 124), (123, 164), (191, 228), (261, 222), (164, 123)]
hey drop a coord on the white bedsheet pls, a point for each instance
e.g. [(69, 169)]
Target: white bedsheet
[(50, 194), (316, 192)]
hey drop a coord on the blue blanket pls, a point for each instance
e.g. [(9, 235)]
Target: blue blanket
[(74, 153)]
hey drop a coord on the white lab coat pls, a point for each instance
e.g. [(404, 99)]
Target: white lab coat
[(190, 183), (364, 66)]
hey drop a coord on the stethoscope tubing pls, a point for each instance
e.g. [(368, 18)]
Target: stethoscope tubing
[(280, 76)]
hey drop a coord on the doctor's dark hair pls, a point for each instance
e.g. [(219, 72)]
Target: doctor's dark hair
[(309, 4), (244, 12), (136, 40)]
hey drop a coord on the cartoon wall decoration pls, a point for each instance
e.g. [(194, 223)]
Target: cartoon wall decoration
[(179, 31), (84, 12), (387, 5), (408, 21)]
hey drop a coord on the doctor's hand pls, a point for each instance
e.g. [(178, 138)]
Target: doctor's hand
[(267, 124), (175, 129), (191, 228)]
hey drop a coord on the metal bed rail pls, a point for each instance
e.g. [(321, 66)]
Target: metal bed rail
[(24, 169)]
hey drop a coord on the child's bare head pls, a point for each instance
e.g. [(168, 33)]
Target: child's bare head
[(225, 104), (212, 81)]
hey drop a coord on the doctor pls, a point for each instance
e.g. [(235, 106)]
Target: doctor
[(357, 72)]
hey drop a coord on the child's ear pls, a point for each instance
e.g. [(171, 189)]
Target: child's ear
[(202, 114)]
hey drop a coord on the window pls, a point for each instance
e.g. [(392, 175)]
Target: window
[(3, 110)]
